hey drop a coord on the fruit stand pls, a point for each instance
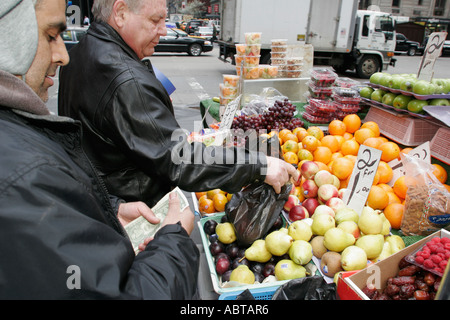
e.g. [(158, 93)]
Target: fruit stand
[(348, 214)]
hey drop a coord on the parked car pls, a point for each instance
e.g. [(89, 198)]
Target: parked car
[(177, 40), (446, 48), (404, 45), (205, 32), (72, 35), (192, 25)]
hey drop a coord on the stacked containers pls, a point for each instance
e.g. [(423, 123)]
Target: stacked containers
[(288, 65), (229, 89), (321, 107), (248, 55), (346, 100)]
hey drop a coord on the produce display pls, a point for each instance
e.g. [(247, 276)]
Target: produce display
[(212, 201), (405, 93)]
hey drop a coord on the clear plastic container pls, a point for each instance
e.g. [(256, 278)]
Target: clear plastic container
[(278, 48), (253, 50), (231, 80), (323, 77), (227, 91), (315, 119), (346, 95), (279, 61), (251, 61), (268, 71), (238, 59), (253, 37), (295, 60), (347, 107), (241, 49), (323, 105), (344, 82), (276, 55), (319, 92), (279, 42), (251, 72)]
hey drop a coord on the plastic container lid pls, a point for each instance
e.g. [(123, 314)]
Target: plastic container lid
[(279, 42), (278, 48), (323, 105), (323, 77), (253, 37)]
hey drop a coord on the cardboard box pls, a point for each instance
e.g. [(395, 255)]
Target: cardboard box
[(439, 145), (350, 287)]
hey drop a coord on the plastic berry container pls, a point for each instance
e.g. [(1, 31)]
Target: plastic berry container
[(345, 82), (314, 119), (346, 95), (323, 77), (323, 105), (347, 107), (433, 256), (319, 92), (315, 112)]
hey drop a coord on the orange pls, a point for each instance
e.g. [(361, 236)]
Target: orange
[(340, 140), (290, 136), (211, 193), (350, 147), (394, 213), (322, 154), (206, 205), (362, 134), (342, 168), (219, 202), (351, 157), (376, 178), (304, 154), (336, 155), (393, 198), (310, 143), (390, 151), (301, 134), (229, 196), (385, 171), (199, 194), (373, 142), (378, 198), (337, 127), (372, 125), (386, 187), (440, 173), (447, 187), (322, 166), (297, 129), (352, 122), (290, 157), (283, 133), (347, 136), (290, 145), (330, 142), (315, 132), (400, 187)]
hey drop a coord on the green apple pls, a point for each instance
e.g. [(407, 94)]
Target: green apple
[(401, 101), (423, 87), (385, 79), (366, 92), (441, 85), (388, 98), (408, 84), (439, 102), (416, 105), (396, 81), (377, 95), (375, 78)]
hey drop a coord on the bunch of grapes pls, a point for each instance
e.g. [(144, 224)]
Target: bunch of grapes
[(279, 116)]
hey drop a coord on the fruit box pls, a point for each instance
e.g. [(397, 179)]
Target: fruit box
[(439, 145), (350, 287), (403, 129)]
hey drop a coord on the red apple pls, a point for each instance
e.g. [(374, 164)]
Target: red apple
[(326, 192), (291, 202), (309, 188), (298, 212), (341, 193), (299, 180), (323, 177), (335, 203), (310, 204), (324, 209), (309, 169)]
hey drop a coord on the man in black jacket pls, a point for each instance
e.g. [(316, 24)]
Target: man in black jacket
[(61, 235), (130, 131)]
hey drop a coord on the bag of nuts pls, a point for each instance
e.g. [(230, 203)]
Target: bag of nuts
[(427, 203)]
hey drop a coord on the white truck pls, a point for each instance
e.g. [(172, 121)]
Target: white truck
[(342, 36)]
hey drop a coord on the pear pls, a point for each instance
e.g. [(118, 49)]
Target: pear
[(386, 252), (372, 244), (225, 232), (346, 214), (322, 223), (300, 252), (258, 252), (396, 243), (336, 239), (353, 258), (318, 247), (300, 230), (242, 274), (278, 242), (330, 263), (370, 222), (386, 229), (287, 269)]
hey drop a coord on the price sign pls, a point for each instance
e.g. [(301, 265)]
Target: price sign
[(422, 152), (362, 178), (432, 52)]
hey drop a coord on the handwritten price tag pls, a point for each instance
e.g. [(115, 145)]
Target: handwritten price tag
[(422, 152), (432, 52), (362, 178)]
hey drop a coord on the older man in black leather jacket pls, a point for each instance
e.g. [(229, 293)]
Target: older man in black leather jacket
[(60, 234), (128, 118)]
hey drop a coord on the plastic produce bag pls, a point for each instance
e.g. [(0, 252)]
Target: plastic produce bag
[(254, 210), (427, 203), (307, 288)]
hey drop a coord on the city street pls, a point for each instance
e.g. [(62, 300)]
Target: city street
[(198, 78)]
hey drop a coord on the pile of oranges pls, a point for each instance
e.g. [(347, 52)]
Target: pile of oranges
[(212, 201), (337, 152)]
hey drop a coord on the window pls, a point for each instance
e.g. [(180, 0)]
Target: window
[(396, 3), (439, 7), (420, 3), (365, 27)]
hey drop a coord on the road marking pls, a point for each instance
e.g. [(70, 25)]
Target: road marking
[(198, 89)]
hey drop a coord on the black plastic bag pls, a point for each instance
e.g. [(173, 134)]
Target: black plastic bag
[(254, 210), (306, 288)]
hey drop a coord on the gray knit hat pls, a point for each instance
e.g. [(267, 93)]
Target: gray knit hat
[(18, 35)]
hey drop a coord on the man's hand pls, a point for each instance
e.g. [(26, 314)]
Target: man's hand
[(279, 172), (132, 210), (174, 215)]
